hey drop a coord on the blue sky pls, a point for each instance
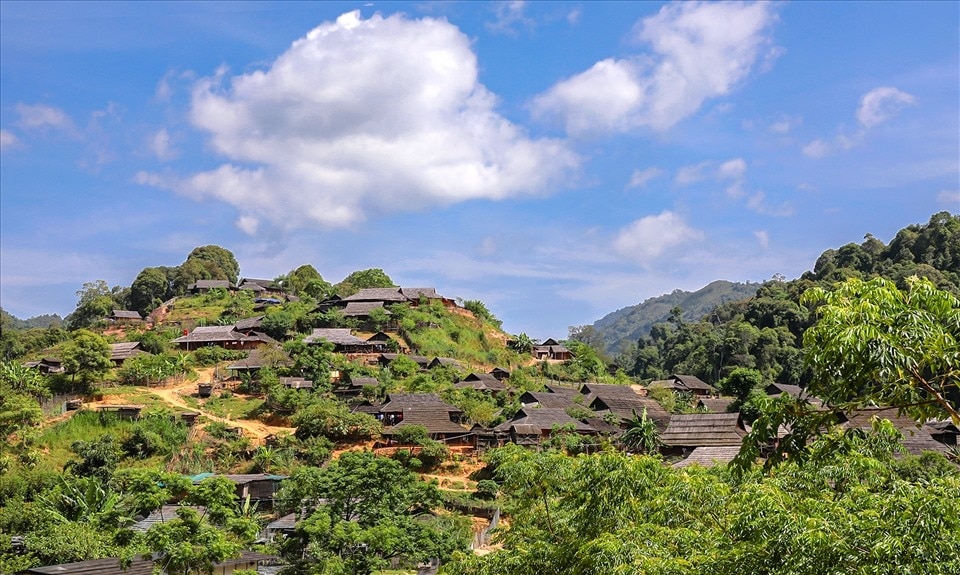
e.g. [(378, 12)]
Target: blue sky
[(556, 160)]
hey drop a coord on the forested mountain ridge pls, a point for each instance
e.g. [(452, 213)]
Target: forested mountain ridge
[(764, 332), (632, 322)]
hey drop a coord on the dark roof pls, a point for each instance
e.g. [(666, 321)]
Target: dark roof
[(692, 382), (165, 513), (697, 429), (625, 407), (138, 566), (210, 284), (560, 398), (709, 455), (337, 336), (125, 350), (296, 382), (249, 323), (214, 334), (125, 314), (481, 382), (916, 438), (389, 357), (544, 418), (435, 419), (362, 308), (377, 294), (446, 362), (400, 402), (360, 381), (285, 523), (716, 404)]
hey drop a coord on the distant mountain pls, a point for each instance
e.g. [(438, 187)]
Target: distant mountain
[(629, 323), (44, 321)]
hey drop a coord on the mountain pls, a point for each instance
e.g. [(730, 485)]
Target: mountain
[(631, 322), (42, 321)]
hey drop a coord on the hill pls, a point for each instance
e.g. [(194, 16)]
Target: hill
[(630, 323), (42, 321)]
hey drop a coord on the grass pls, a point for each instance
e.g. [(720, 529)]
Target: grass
[(234, 407), (85, 425)]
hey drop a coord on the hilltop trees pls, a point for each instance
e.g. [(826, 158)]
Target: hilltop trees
[(369, 278), (87, 356)]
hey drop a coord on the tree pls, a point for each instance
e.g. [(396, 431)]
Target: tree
[(641, 435), (189, 544), (86, 355), (94, 303), (876, 343), (368, 515), (369, 278), (741, 382), (521, 343), (306, 280), (219, 262), (150, 288)]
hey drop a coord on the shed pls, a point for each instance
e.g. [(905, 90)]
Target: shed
[(703, 429)]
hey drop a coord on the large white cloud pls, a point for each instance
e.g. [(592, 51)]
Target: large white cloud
[(647, 238), (363, 116), (700, 51)]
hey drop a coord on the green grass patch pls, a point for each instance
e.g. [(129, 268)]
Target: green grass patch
[(234, 407)]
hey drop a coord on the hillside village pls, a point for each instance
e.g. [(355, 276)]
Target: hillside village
[(255, 384)]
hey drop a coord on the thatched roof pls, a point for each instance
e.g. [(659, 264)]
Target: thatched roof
[(221, 334), (481, 382), (709, 455), (391, 294), (125, 314), (138, 566), (435, 419), (400, 402), (545, 419), (699, 429), (625, 407), (716, 404), (416, 293), (336, 336), (125, 350), (559, 398), (210, 284), (249, 323), (917, 438), (165, 513), (363, 308)]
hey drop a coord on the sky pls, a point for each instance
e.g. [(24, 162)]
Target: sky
[(555, 160)]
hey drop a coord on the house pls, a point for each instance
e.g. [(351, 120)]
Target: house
[(122, 411), (296, 383), (437, 420), (624, 402), (715, 404), (482, 382), (397, 404), (551, 349), (125, 316), (260, 286), (542, 420), (285, 525), (385, 359), (415, 295), (354, 386), (559, 397), (500, 373), (250, 324), (259, 487), (916, 438), (380, 341), (944, 431), (688, 431), (257, 359), (685, 384), (165, 513), (46, 366), (204, 286), (343, 341), (444, 362), (121, 352), (247, 560), (709, 455), (225, 336)]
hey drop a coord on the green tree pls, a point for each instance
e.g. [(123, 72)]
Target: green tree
[(219, 262), (94, 303), (150, 288), (641, 435), (369, 278), (189, 545), (741, 382), (874, 343), (87, 356)]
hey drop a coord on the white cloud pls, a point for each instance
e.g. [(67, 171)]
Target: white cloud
[(763, 238), (692, 174), (880, 104), (816, 149), (649, 237), (732, 169), (700, 51), (640, 178), (161, 146), (509, 16), (8, 140), (248, 224), (758, 203), (364, 116), (785, 124), (41, 116)]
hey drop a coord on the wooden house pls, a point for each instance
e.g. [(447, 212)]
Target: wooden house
[(124, 316), (354, 386), (225, 336), (558, 397), (437, 420), (544, 420), (163, 514), (482, 382), (121, 352), (688, 431), (46, 366), (917, 438), (709, 455), (715, 404), (204, 286), (296, 383), (444, 362), (397, 404), (261, 488), (343, 341), (122, 411), (944, 431), (500, 373), (249, 325), (685, 384), (260, 286), (552, 350), (623, 402), (246, 560)]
